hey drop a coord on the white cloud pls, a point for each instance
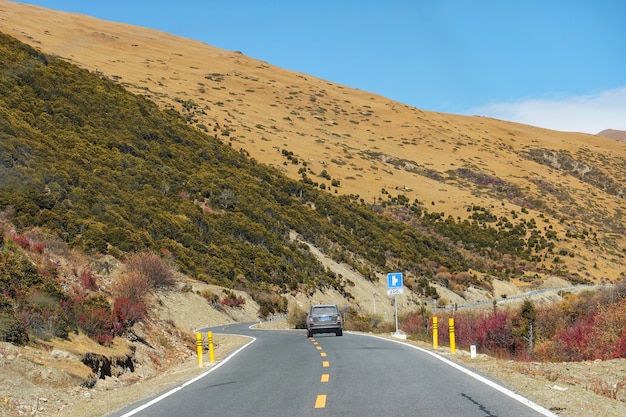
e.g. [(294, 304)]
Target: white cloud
[(588, 113)]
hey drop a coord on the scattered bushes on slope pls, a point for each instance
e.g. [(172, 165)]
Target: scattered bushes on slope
[(109, 172), (582, 327)]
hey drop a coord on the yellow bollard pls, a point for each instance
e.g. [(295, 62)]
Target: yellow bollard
[(200, 348), (209, 337), (452, 341), (435, 333)]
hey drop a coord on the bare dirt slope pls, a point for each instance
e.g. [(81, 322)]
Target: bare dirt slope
[(364, 142)]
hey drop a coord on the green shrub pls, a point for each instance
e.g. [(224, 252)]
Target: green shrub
[(364, 322), (11, 329), (297, 317)]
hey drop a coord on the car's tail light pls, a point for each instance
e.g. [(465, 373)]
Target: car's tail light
[(338, 319)]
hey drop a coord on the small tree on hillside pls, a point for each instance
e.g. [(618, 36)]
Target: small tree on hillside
[(525, 324)]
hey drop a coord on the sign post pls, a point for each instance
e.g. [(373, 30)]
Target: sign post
[(394, 287)]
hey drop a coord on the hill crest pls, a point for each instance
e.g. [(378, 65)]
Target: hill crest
[(613, 134)]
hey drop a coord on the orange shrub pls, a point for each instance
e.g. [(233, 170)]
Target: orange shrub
[(133, 286), (153, 268)]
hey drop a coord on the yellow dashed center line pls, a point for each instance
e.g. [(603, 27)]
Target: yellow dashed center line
[(320, 401)]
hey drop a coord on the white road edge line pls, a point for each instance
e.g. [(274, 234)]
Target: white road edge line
[(542, 410), (503, 390), (191, 381)]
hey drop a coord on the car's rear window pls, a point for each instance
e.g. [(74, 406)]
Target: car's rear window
[(324, 310)]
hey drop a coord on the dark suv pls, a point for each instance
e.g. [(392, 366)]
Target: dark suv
[(324, 318)]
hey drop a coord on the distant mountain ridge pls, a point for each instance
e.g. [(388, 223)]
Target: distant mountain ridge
[(613, 134)]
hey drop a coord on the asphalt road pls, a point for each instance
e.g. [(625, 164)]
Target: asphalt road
[(284, 373)]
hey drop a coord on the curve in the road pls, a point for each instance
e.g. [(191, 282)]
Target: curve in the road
[(321, 397)]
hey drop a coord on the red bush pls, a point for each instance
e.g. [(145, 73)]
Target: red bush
[(494, 334), (21, 240), (598, 335), (98, 324), (88, 281), (589, 326), (489, 332), (104, 339), (573, 341), (413, 323), (96, 319), (466, 329), (127, 312), (609, 328), (232, 301), (38, 247)]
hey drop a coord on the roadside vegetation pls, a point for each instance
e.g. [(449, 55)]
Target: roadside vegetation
[(37, 302), (583, 327)]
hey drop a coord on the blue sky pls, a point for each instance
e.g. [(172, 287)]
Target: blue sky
[(559, 64)]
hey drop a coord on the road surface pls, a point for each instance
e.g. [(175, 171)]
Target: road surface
[(286, 374)]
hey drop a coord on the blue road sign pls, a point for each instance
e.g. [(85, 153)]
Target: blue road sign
[(394, 280)]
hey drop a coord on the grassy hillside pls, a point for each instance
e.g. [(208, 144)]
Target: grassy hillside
[(110, 173), (561, 193)]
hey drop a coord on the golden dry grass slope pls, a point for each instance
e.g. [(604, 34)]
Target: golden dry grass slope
[(365, 142)]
